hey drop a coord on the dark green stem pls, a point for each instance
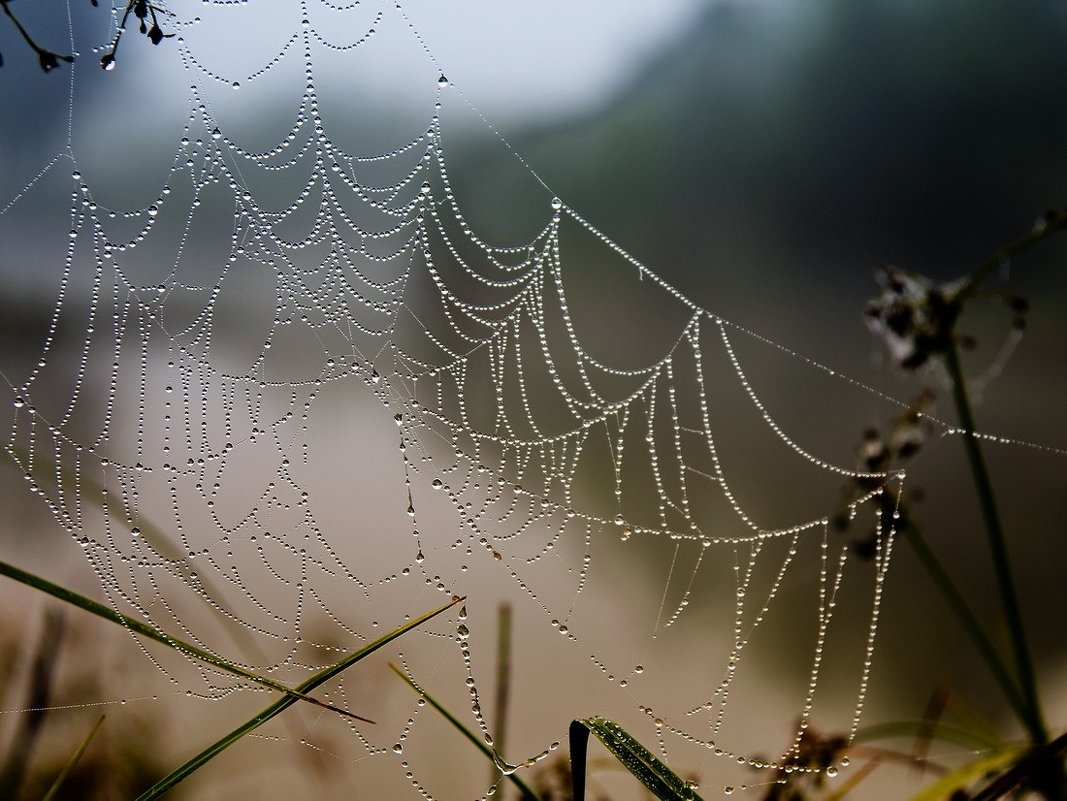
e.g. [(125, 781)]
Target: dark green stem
[(998, 548), (954, 598)]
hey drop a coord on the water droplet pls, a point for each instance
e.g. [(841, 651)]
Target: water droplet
[(216, 134), (557, 204), (442, 81), (398, 748), (20, 402)]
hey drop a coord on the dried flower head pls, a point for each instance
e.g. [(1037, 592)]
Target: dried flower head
[(144, 11), (880, 452), (913, 316)]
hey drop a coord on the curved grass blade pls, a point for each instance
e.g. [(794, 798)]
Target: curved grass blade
[(72, 762), (157, 539), (1039, 765), (154, 536), (965, 775), (281, 705), (106, 612), (660, 780), (941, 731), (491, 755)]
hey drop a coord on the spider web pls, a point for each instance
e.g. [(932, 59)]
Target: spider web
[(297, 395)]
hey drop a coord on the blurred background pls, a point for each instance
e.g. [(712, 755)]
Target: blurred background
[(763, 157)]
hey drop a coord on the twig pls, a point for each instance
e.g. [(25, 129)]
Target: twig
[(49, 60)]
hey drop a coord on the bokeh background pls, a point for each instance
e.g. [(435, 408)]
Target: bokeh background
[(763, 157)]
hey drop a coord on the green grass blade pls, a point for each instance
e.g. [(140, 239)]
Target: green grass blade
[(158, 540), (579, 740), (965, 775), (62, 478), (1040, 768), (152, 633), (491, 755), (154, 536), (944, 732), (660, 780), (72, 762), (282, 704)]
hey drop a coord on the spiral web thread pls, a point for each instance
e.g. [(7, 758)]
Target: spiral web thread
[(474, 351)]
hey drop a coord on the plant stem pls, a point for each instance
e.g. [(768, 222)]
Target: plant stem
[(72, 762), (998, 548), (503, 678), (491, 753), (954, 598)]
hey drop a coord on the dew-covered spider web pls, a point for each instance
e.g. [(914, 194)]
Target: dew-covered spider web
[(291, 395)]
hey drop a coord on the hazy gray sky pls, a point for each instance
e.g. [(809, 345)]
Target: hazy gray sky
[(523, 58)]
